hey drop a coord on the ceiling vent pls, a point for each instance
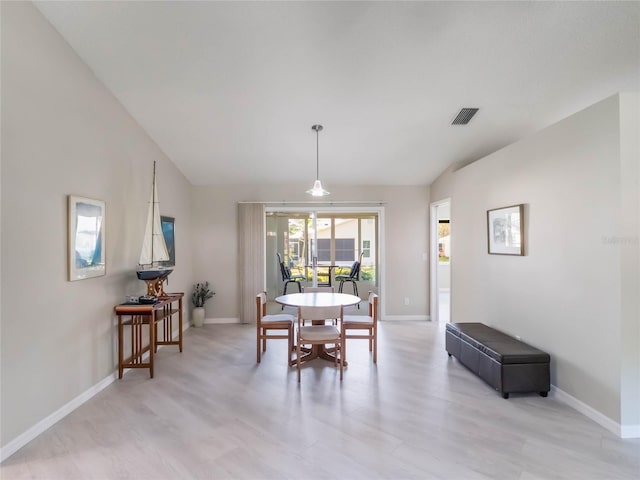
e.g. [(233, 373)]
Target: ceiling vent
[(464, 116)]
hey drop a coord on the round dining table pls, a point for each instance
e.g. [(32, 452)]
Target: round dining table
[(318, 299)]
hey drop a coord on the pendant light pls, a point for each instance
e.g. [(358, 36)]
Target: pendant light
[(317, 190)]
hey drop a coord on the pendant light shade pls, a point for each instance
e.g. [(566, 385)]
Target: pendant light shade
[(317, 190)]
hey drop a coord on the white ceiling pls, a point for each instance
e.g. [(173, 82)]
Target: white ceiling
[(229, 90)]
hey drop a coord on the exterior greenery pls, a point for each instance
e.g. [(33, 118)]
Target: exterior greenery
[(367, 273)]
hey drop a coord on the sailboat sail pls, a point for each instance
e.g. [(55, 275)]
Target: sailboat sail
[(154, 248)]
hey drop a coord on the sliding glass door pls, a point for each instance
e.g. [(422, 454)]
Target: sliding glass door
[(321, 244)]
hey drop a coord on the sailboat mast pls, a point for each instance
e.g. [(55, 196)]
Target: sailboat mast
[(153, 202), (152, 252)]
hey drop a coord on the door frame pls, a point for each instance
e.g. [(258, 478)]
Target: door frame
[(315, 209), (434, 303)]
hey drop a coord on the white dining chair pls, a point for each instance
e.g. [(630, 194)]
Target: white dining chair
[(320, 334), (363, 322), (265, 323)]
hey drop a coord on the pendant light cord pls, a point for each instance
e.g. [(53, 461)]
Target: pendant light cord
[(317, 129), (317, 190), (317, 154)]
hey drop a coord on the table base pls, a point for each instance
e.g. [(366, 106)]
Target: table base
[(317, 351)]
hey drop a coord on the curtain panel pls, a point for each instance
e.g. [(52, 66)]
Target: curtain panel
[(251, 255)]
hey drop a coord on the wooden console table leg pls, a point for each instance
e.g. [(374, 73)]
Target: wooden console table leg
[(180, 324), (120, 352), (153, 332)]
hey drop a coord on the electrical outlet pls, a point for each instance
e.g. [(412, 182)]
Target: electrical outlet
[(406, 300)]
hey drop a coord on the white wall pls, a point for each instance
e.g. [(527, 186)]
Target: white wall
[(444, 275), (629, 240), (575, 292), (442, 187), (406, 241), (64, 133)]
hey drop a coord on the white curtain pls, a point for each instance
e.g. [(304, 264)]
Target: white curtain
[(251, 254)]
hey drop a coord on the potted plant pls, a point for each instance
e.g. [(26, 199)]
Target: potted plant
[(201, 293)]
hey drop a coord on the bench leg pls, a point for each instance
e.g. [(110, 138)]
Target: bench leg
[(505, 396), (544, 394)]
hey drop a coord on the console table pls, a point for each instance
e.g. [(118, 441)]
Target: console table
[(138, 315)]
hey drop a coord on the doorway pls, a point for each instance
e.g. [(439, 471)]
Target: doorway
[(320, 244), (441, 261)]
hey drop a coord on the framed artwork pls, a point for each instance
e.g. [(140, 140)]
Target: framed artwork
[(505, 230), (86, 238), (168, 231)]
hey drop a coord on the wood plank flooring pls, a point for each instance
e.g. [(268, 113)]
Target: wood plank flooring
[(213, 413)]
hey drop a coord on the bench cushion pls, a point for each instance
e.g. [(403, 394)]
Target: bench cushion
[(497, 345)]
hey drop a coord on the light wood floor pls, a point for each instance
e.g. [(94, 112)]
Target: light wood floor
[(212, 413)]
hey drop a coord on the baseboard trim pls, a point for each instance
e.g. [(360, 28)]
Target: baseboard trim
[(21, 440), (46, 423), (622, 431), (410, 318), (630, 431), (216, 321)]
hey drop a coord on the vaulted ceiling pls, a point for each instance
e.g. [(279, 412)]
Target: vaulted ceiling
[(230, 90)]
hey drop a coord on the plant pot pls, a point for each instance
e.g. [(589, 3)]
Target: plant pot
[(197, 316)]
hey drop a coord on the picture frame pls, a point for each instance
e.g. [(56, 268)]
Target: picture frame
[(505, 230), (86, 238), (169, 234)]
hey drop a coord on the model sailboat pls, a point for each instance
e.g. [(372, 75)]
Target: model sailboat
[(154, 248)]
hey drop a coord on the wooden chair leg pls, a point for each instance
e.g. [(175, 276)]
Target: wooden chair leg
[(298, 358), (343, 353), (342, 343), (258, 348), (375, 346)]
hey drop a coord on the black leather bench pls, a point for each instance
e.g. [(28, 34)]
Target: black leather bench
[(505, 363)]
